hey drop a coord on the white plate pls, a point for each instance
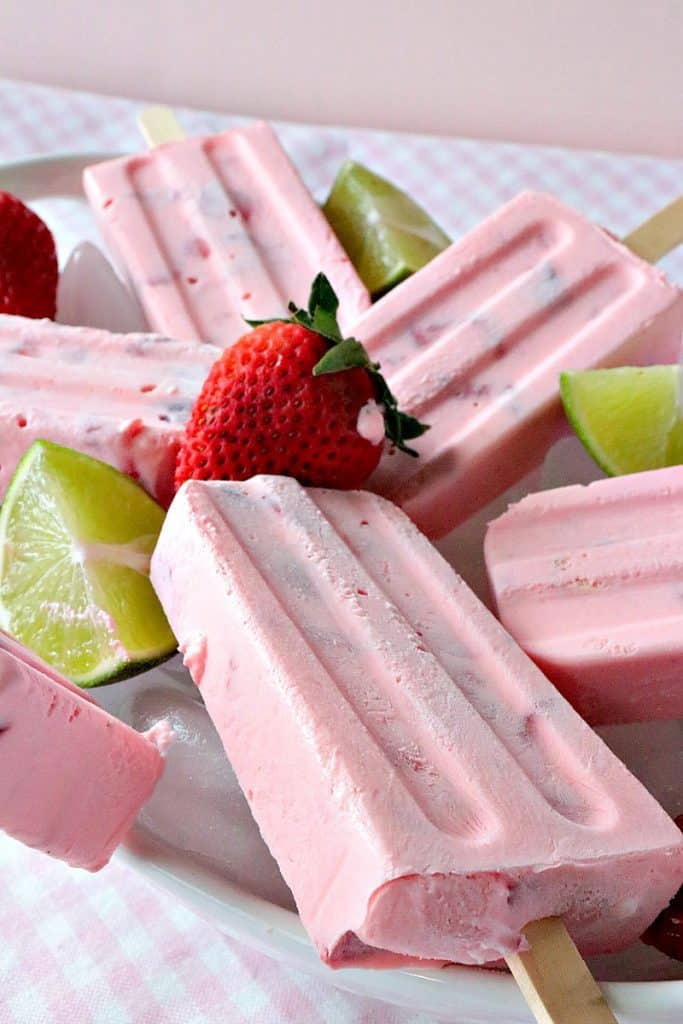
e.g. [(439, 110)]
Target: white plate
[(196, 838)]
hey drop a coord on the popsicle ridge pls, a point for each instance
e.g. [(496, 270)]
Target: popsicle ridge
[(409, 327), (265, 164), (511, 711), (217, 218), (113, 391)]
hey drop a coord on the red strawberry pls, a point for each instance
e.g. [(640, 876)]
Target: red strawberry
[(285, 399), (28, 261)]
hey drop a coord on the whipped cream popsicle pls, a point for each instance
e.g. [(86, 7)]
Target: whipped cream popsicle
[(72, 777), (211, 230), (589, 582), (473, 344), (425, 790), (123, 399)]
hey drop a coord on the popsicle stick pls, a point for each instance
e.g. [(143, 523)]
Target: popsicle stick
[(658, 235), (159, 124), (555, 980)]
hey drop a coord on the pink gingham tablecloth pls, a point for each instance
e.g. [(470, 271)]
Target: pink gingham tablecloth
[(108, 949)]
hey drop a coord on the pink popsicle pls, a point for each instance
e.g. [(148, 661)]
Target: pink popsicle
[(212, 230), (72, 777), (589, 581), (474, 342), (123, 399), (424, 788)]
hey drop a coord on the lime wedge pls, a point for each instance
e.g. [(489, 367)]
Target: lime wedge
[(387, 236), (628, 418), (75, 542)]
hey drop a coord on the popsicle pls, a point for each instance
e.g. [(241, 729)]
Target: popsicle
[(474, 342), (426, 791), (211, 230), (120, 398), (589, 581), (72, 777)]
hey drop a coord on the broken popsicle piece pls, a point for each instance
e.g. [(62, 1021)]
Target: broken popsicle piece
[(72, 777), (473, 344), (589, 582), (424, 788), (212, 230)]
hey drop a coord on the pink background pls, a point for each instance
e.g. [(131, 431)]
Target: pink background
[(591, 73)]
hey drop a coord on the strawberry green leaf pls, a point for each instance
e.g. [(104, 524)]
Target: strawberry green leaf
[(323, 296), (322, 307), (345, 355), (325, 323), (270, 320)]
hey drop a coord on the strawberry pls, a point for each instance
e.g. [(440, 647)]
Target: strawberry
[(28, 261), (286, 399)]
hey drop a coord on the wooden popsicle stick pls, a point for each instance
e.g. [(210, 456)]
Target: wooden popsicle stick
[(159, 124), (554, 979), (659, 234)]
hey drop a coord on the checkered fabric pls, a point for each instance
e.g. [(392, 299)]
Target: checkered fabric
[(108, 949)]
